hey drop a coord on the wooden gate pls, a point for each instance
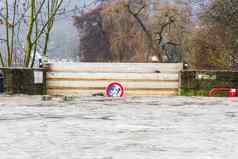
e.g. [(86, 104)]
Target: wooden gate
[(90, 78)]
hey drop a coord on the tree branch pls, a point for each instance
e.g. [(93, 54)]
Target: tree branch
[(7, 34), (146, 31)]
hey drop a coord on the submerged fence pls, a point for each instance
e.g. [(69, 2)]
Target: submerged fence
[(89, 78)]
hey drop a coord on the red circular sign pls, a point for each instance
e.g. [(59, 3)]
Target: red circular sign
[(115, 89)]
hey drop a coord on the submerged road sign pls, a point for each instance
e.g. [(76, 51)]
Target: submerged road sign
[(115, 89)]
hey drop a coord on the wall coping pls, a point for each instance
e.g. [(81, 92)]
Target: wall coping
[(211, 71), (22, 68)]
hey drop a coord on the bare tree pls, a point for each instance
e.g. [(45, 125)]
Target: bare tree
[(28, 23), (158, 33), (130, 33)]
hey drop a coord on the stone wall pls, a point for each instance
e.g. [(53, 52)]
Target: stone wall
[(24, 81), (199, 83)]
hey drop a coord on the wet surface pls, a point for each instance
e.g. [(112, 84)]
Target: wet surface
[(128, 128)]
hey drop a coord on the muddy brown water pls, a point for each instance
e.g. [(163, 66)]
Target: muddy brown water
[(140, 127)]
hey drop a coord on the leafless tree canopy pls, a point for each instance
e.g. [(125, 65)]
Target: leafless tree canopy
[(27, 25), (131, 34)]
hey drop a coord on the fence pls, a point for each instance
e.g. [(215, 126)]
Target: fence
[(89, 78)]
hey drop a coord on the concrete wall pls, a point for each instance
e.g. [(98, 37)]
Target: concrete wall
[(24, 81), (195, 82), (192, 82)]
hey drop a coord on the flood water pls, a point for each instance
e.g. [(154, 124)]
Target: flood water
[(118, 128)]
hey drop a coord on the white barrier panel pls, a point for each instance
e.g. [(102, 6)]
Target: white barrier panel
[(90, 78)]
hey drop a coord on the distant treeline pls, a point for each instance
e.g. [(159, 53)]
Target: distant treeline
[(126, 31)]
